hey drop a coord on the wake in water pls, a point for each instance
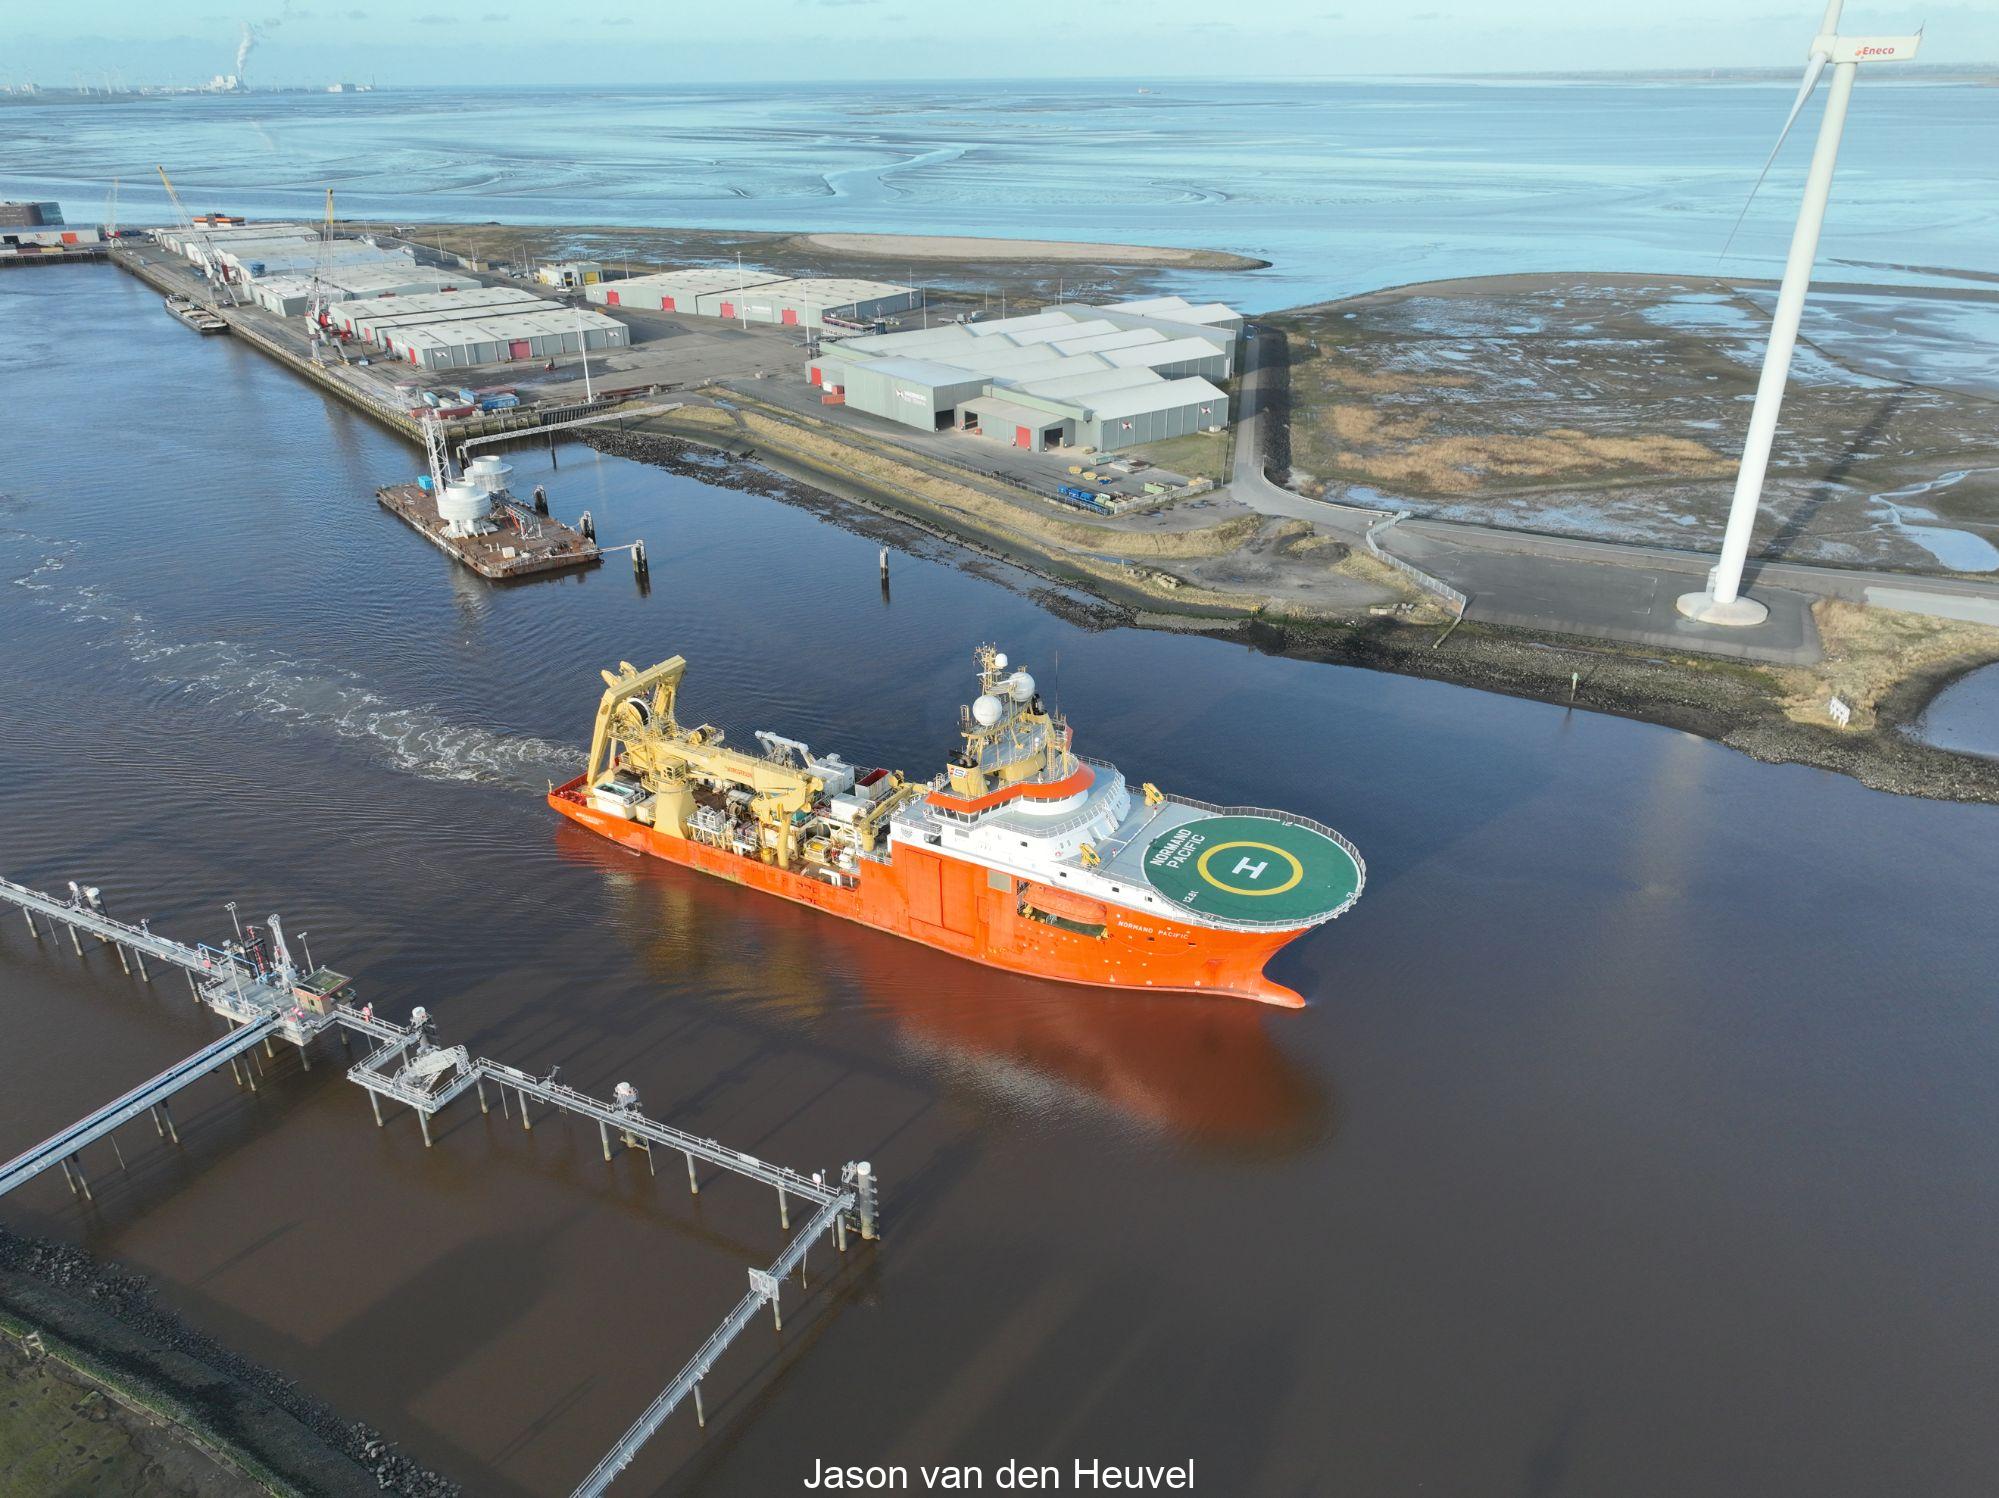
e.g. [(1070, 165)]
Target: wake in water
[(307, 696)]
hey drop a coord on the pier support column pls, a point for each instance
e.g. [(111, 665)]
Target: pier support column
[(423, 1119), (840, 1232), (375, 1102), (526, 1122), (75, 941), (82, 1180), (193, 988), (604, 1133), (235, 1071), (783, 1210), (304, 1059), (140, 958), (776, 1311), (479, 1086), (864, 1195), (67, 1176), (168, 1114), (29, 916), (119, 948), (693, 1186), (158, 1127), (118, 1152), (504, 1111), (700, 1415)]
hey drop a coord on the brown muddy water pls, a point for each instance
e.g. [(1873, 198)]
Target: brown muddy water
[(1637, 1139)]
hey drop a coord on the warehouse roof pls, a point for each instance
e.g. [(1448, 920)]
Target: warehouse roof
[(437, 301), (1068, 328), (923, 371), (826, 291), (695, 280), (1172, 351), (992, 408), (1167, 395), (1178, 309), (1091, 382), (1025, 323), (1101, 342), (503, 325)]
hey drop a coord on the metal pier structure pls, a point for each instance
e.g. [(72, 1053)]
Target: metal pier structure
[(255, 985)]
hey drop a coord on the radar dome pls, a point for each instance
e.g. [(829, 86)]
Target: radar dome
[(987, 710), (1021, 686), (999, 660)]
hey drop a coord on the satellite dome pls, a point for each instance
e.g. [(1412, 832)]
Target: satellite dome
[(1021, 687), (999, 660), (987, 710)]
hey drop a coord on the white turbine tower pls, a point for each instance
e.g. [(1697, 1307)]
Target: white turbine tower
[(1722, 601)]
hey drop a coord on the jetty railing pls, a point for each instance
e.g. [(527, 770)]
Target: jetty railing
[(263, 995)]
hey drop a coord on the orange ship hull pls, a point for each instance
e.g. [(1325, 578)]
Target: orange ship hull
[(975, 912)]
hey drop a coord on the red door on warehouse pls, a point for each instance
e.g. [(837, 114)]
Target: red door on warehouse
[(790, 317), (518, 349)]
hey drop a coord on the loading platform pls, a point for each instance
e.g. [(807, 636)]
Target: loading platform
[(255, 985)]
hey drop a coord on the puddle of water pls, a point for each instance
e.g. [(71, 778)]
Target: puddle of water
[(1959, 550)]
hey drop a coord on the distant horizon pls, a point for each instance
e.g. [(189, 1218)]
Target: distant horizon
[(1912, 73), (627, 43)]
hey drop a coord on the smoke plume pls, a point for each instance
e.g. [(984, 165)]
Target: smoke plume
[(243, 51)]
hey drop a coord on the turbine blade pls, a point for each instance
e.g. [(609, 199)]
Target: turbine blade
[(1813, 69)]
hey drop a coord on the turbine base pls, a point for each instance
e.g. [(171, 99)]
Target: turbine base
[(1738, 613)]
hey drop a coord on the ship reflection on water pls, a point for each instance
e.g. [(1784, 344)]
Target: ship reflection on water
[(1203, 1071)]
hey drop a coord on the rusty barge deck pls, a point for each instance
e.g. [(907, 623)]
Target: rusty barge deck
[(502, 554)]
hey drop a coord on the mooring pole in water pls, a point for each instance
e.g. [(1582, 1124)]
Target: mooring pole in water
[(641, 568)]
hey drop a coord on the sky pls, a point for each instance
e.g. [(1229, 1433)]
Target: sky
[(669, 42)]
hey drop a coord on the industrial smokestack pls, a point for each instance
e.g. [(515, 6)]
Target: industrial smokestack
[(243, 54)]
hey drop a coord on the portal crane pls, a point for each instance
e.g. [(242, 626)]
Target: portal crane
[(314, 329)]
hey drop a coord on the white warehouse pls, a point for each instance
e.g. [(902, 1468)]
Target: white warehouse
[(1090, 377)]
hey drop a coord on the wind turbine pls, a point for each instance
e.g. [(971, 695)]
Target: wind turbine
[(1721, 602)]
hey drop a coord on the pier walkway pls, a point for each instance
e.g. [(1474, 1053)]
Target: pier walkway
[(254, 984)]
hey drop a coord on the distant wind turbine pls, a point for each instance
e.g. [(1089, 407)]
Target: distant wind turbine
[(1721, 602)]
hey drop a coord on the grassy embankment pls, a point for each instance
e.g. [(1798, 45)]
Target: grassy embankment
[(69, 1425), (1129, 566)]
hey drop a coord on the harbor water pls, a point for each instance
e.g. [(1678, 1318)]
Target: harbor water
[(1636, 1138)]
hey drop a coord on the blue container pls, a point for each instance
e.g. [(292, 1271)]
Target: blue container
[(423, 483)]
